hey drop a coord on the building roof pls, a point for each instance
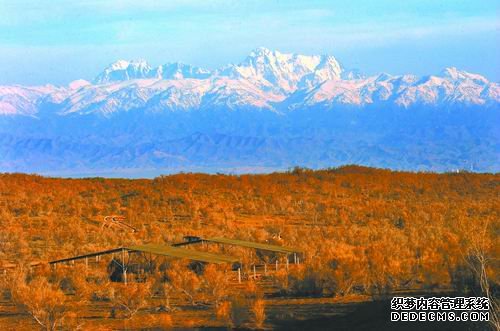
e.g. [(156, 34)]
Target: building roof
[(79, 257), (251, 244), (184, 253), (189, 254), (175, 252)]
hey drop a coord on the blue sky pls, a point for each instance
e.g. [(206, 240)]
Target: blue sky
[(53, 41)]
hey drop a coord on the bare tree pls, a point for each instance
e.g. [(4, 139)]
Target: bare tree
[(184, 281), (132, 297), (259, 312), (216, 283), (43, 301), (478, 246)]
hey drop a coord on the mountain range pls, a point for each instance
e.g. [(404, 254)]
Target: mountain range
[(270, 112)]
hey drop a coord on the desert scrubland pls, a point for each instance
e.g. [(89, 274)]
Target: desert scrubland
[(365, 234)]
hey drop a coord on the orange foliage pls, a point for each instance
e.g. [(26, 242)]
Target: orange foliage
[(361, 230)]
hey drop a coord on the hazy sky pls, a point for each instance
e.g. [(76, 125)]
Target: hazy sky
[(52, 41)]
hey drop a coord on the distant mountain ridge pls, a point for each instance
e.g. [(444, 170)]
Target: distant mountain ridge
[(279, 109), (127, 70), (266, 79)]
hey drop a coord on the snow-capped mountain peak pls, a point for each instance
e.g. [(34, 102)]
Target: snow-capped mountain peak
[(459, 75), (119, 65), (271, 109), (125, 70), (79, 83), (352, 74), (285, 71), (265, 79), (179, 70), (139, 69)]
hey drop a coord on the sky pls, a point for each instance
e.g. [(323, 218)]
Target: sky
[(58, 41)]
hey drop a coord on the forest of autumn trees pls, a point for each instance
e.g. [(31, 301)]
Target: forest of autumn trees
[(362, 230)]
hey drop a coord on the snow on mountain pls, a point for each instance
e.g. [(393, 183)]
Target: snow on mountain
[(331, 92), (264, 80), (266, 111), (491, 93), (452, 87), (20, 100), (107, 99), (327, 69), (155, 95), (139, 69), (240, 93), (284, 71), (220, 92), (125, 70), (453, 73), (352, 74), (177, 95), (181, 71), (77, 84)]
